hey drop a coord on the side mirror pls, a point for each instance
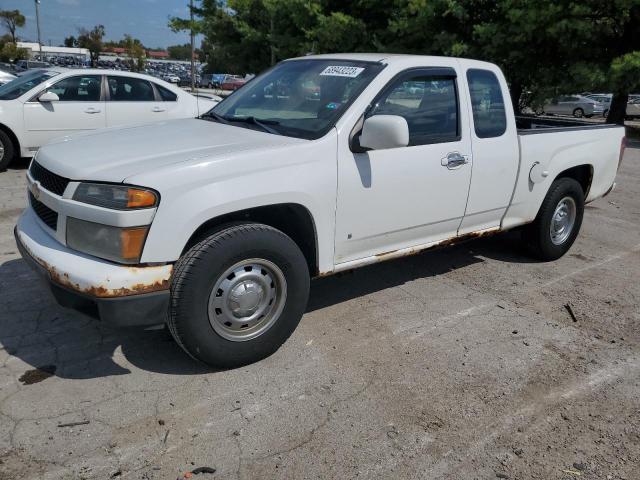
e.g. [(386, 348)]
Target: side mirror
[(48, 97), (381, 132)]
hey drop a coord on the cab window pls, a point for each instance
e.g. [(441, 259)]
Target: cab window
[(428, 104), (489, 116)]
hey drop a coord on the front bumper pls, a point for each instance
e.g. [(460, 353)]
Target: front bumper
[(118, 295)]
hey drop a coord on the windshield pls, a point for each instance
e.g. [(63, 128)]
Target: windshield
[(299, 98), (24, 83)]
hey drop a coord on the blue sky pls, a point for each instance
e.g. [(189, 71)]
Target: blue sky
[(143, 19)]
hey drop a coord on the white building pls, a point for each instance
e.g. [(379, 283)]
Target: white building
[(48, 51)]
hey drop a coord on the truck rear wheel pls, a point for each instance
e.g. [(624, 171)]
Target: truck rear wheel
[(237, 295), (558, 222)]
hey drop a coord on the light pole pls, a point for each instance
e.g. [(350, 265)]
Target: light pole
[(38, 25), (193, 66)]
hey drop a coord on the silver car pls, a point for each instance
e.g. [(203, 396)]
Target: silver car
[(577, 105), (633, 105)]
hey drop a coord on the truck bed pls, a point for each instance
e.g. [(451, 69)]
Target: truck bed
[(568, 143), (531, 125)]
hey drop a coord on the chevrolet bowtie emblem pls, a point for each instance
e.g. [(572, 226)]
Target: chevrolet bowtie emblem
[(35, 190)]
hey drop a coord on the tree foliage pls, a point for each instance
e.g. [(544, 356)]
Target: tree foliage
[(12, 20), (545, 47), (92, 41), (9, 52), (135, 51), (179, 52), (70, 41)]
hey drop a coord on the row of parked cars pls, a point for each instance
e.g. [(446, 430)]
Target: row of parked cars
[(589, 105), (48, 103)]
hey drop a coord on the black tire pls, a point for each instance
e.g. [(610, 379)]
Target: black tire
[(578, 113), (537, 235), (605, 113), (202, 266), (7, 149)]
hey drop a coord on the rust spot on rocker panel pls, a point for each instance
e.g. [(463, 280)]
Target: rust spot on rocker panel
[(405, 252), (443, 243)]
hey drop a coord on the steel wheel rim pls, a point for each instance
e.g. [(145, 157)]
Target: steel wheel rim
[(247, 299), (1, 150), (563, 220)]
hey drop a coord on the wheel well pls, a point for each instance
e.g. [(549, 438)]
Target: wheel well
[(13, 138), (583, 174), (290, 218)]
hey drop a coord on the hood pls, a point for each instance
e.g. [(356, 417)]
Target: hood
[(114, 154)]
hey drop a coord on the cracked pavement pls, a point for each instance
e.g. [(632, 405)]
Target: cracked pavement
[(457, 363)]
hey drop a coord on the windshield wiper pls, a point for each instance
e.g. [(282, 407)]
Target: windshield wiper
[(260, 123), (216, 117)]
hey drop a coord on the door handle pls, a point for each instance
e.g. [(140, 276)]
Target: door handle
[(158, 109), (454, 160), (92, 110)]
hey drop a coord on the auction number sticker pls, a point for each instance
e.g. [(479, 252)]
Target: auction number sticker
[(342, 71)]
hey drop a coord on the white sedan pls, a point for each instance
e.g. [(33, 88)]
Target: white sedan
[(49, 103), (6, 77)]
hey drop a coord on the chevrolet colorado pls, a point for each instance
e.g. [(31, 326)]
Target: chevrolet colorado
[(321, 164)]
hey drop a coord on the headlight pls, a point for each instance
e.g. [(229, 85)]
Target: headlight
[(121, 245), (119, 197)]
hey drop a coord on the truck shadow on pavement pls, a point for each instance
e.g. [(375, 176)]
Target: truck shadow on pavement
[(35, 331)]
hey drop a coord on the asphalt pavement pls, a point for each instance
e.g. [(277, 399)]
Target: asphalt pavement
[(471, 362)]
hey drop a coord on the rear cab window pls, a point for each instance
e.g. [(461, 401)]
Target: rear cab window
[(487, 102)]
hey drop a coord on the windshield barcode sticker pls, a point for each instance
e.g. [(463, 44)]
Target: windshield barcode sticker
[(342, 71)]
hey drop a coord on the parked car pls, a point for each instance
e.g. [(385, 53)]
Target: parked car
[(216, 225), (576, 105), (6, 77), (44, 104), (232, 83), (211, 80), (633, 105), (24, 65)]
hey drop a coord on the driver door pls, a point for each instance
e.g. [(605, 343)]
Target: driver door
[(80, 108), (407, 196)]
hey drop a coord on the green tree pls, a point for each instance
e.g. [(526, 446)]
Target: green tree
[(135, 51), (12, 19), (11, 53), (70, 41), (92, 41), (179, 52)]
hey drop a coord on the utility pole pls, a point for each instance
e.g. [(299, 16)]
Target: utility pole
[(193, 49), (38, 24)]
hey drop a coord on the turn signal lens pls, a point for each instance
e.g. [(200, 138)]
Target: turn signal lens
[(140, 198), (131, 242)]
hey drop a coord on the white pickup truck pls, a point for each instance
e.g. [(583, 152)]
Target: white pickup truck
[(321, 164)]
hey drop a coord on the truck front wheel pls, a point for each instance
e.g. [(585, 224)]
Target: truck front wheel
[(237, 295), (558, 222)]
